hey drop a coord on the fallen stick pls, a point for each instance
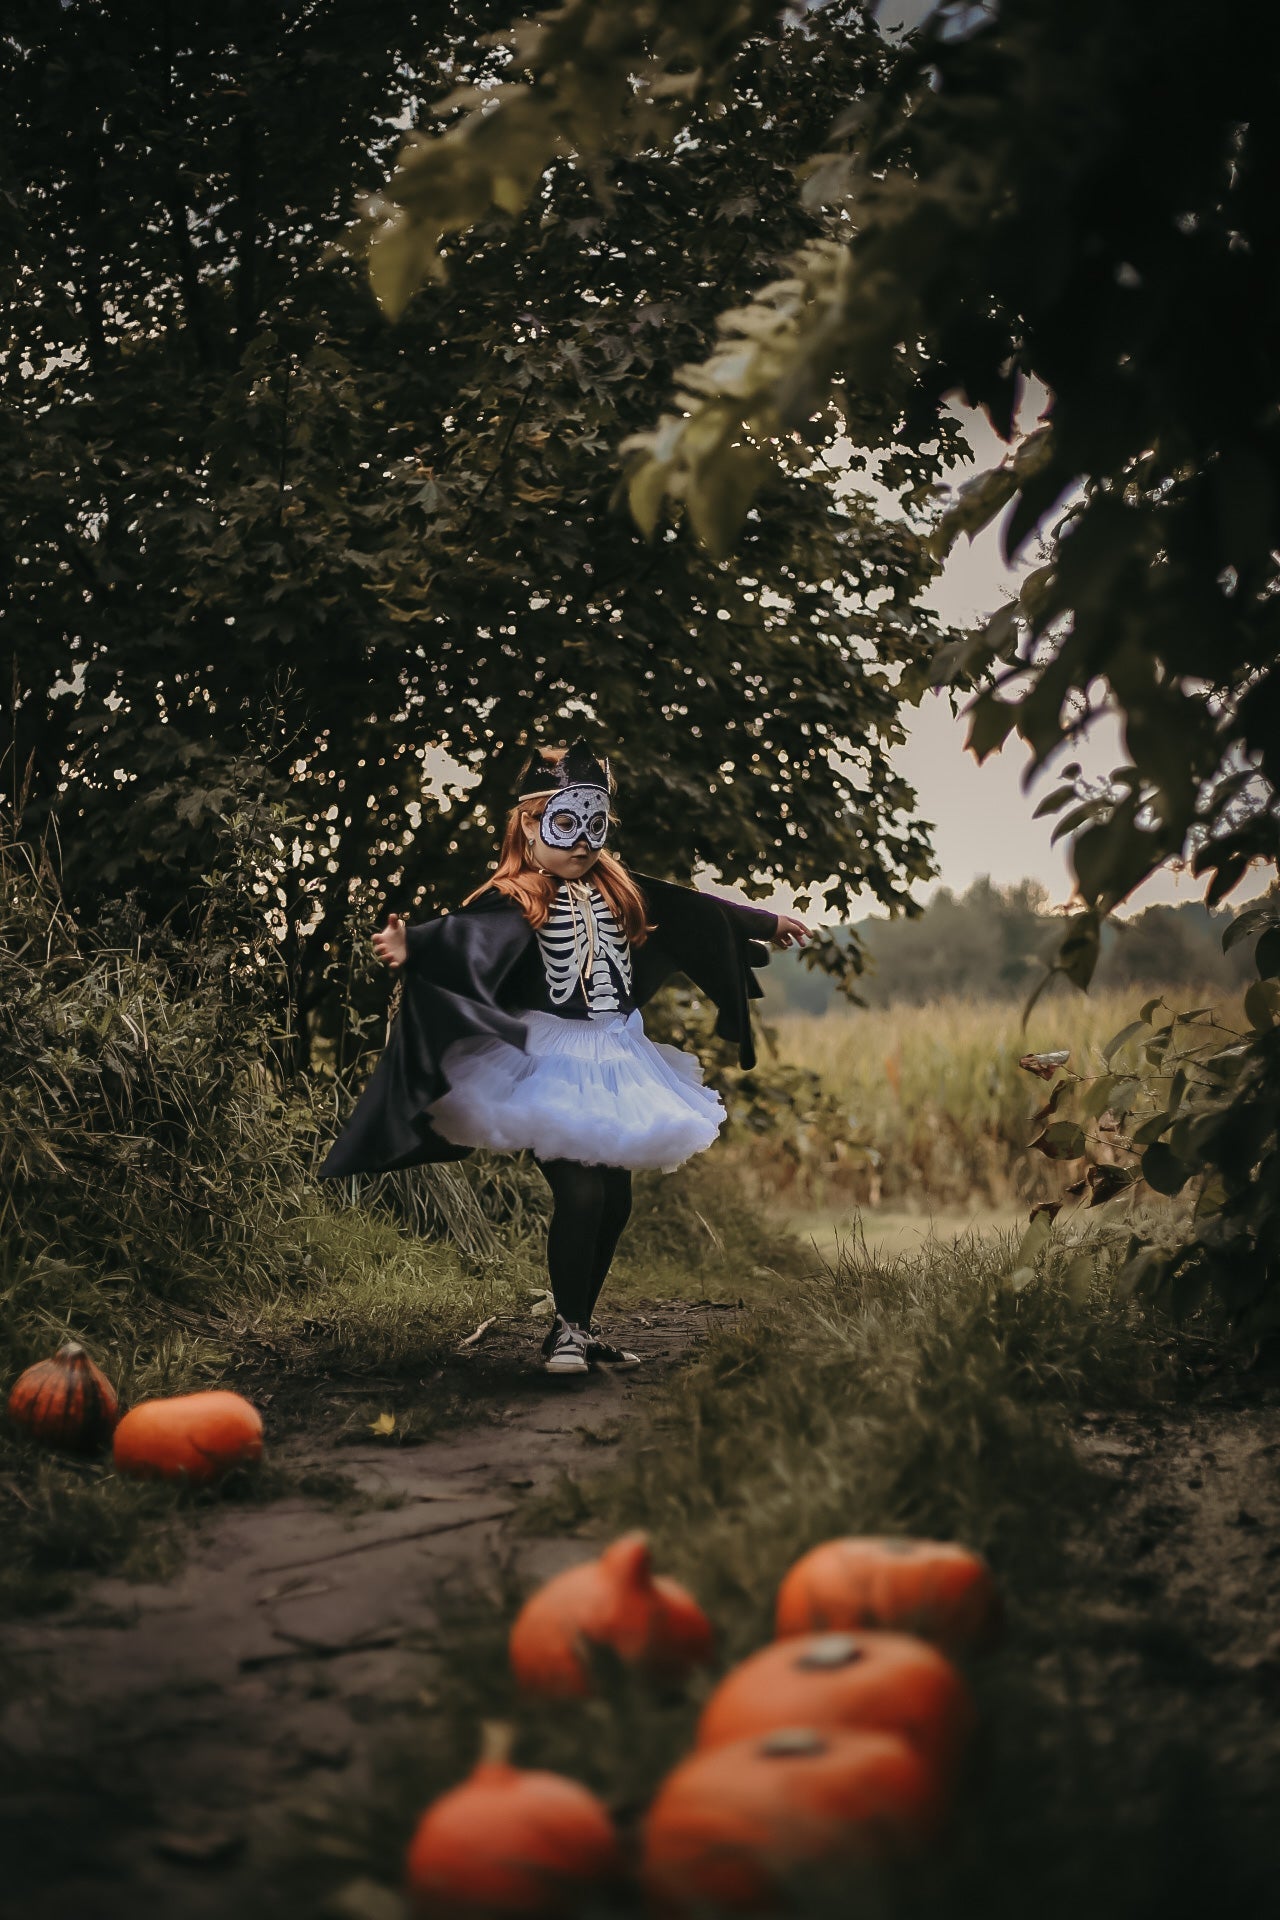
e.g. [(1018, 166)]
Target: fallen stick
[(318, 1650), (391, 1540), (472, 1338)]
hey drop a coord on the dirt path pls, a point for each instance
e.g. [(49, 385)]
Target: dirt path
[(161, 1730)]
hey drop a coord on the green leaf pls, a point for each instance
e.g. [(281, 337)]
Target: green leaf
[(1098, 1097), (1266, 956), (1079, 949), (719, 491), (1163, 1171), (1106, 1181), (1078, 1280), (991, 721), (1119, 1041), (1150, 1008), (1262, 1005), (646, 490), (1251, 921), (1150, 1130), (1213, 1198), (1034, 1240), (1064, 1140), (1142, 1272), (1052, 802)]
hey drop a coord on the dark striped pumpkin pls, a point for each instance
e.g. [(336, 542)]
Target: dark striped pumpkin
[(65, 1402)]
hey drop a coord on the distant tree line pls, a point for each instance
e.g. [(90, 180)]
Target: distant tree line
[(992, 942)]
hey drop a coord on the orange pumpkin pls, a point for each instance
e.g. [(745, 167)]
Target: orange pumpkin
[(615, 1602), (197, 1437), (941, 1592), (886, 1682), (510, 1842), (65, 1402), (735, 1827)]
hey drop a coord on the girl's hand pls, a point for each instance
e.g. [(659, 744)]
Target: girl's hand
[(390, 945), (791, 932)]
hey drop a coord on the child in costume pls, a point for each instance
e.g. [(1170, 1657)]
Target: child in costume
[(520, 1027)]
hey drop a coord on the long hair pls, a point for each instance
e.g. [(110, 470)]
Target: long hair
[(533, 889)]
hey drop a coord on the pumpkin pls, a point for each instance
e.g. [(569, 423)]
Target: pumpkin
[(65, 1402), (732, 1828), (941, 1592), (197, 1437), (617, 1603), (886, 1682), (510, 1842)]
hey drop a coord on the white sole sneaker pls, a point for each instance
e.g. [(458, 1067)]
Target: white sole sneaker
[(565, 1363), (601, 1354), (568, 1353)]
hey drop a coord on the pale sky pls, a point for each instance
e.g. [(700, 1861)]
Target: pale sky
[(982, 818)]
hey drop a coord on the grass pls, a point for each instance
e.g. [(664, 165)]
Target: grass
[(923, 1108), (919, 1395), (359, 1298)]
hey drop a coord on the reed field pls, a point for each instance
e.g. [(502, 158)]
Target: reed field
[(919, 1107)]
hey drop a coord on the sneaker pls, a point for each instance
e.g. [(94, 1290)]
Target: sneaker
[(565, 1348), (601, 1354)]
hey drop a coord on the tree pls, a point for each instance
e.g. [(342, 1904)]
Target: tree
[(247, 508), (1082, 197)]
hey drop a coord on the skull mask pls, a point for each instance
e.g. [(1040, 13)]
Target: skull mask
[(573, 814)]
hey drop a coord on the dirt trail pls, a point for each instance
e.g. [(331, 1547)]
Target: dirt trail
[(160, 1730)]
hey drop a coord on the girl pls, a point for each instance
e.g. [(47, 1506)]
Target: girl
[(520, 1026)]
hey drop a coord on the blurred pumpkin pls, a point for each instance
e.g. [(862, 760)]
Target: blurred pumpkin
[(616, 1602), (886, 1682), (509, 1841), (943, 1593), (65, 1402), (734, 1827), (197, 1437)]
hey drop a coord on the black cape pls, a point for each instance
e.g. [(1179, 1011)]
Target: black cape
[(454, 977)]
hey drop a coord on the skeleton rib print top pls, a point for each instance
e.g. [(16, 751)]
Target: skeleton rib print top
[(582, 944)]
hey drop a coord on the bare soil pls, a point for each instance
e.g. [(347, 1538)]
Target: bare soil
[(160, 1732)]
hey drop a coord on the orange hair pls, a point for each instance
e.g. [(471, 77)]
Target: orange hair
[(533, 889)]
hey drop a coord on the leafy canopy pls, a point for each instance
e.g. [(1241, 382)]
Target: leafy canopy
[(249, 508), (1083, 197)]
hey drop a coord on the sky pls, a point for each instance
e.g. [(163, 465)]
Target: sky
[(982, 816)]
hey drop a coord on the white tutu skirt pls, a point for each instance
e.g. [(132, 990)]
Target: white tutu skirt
[(595, 1090)]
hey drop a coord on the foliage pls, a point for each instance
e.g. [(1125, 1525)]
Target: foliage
[(1060, 196), (922, 1107), (157, 1172), (236, 490), (993, 942), (1157, 1115)]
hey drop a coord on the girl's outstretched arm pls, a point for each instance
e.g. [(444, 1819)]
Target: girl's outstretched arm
[(391, 945), (791, 932)]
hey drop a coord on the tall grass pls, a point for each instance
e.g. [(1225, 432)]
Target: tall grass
[(158, 1203), (923, 1395), (923, 1106)]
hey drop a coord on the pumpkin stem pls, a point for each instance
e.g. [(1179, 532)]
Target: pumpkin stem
[(71, 1351), (630, 1560), (497, 1739)]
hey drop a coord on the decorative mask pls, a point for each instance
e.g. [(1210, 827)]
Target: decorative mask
[(576, 790), (578, 813)]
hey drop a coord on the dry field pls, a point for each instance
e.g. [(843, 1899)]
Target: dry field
[(922, 1109)]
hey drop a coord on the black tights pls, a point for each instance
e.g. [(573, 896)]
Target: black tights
[(589, 1208)]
